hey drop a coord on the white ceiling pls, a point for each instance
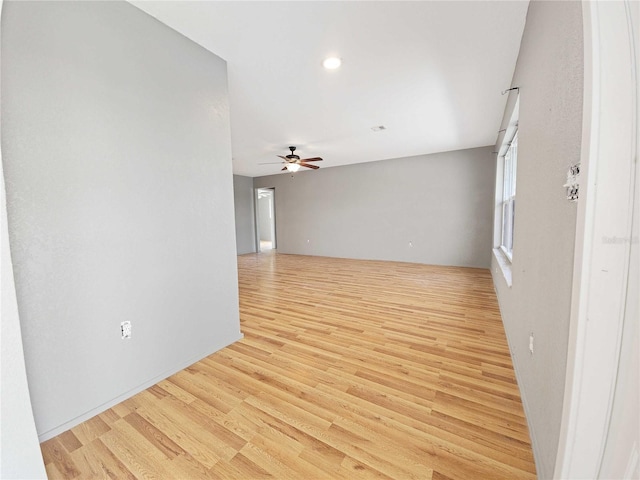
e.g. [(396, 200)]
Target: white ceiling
[(430, 72)]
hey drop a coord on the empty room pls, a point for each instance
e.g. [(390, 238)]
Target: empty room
[(319, 239)]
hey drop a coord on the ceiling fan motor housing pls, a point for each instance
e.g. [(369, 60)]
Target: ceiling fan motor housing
[(293, 156)]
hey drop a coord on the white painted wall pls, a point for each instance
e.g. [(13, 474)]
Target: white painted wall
[(432, 209), (549, 72), (20, 456), (622, 450), (116, 148)]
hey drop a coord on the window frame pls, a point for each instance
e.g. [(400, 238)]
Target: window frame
[(508, 200), (504, 256)]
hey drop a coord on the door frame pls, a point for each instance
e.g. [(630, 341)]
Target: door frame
[(256, 209), (603, 236)]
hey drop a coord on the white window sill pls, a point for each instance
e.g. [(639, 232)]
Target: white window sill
[(504, 263)]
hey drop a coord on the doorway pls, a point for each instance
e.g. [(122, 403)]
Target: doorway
[(265, 219)]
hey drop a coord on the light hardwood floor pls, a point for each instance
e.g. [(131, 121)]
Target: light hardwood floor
[(348, 369)]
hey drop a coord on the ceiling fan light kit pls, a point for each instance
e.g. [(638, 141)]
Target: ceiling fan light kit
[(332, 63), (292, 162)]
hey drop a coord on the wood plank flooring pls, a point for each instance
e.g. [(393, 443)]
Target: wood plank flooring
[(348, 369)]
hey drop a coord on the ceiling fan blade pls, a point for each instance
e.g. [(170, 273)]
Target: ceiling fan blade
[(284, 158), (283, 169), (314, 159), (315, 167)]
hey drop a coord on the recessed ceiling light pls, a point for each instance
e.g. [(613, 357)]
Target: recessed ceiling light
[(332, 63)]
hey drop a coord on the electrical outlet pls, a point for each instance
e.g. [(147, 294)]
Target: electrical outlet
[(531, 343), (125, 329)]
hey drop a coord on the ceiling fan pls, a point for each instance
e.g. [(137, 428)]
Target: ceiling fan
[(292, 162)]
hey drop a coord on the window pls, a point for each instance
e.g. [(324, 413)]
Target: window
[(505, 199), (509, 196)]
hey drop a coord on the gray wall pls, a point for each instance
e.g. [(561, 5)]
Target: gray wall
[(116, 150), (244, 214), (441, 203), (549, 73), (20, 455)]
